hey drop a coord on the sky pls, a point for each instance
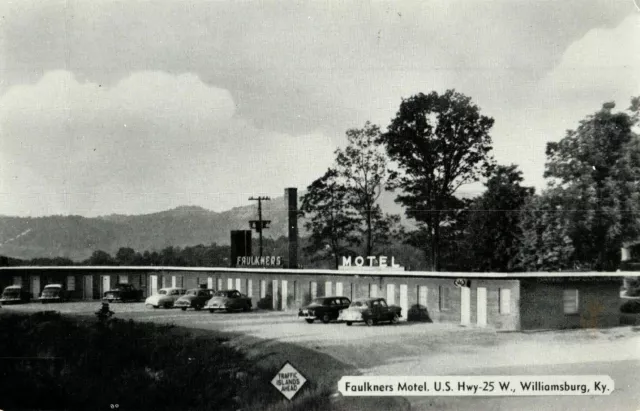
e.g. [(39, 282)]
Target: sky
[(133, 107)]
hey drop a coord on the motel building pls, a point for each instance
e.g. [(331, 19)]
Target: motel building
[(503, 301)]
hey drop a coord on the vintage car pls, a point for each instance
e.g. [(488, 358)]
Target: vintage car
[(370, 311), (14, 294), (195, 298), (54, 293), (165, 298), (324, 309), (228, 300), (123, 292)]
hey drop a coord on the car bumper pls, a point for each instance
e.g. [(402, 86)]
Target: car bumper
[(7, 301), (351, 317), (50, 299)]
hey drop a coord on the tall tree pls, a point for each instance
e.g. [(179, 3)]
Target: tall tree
[(333, 223), (494, 231), (362, 168), (596, 170), (438, 142)]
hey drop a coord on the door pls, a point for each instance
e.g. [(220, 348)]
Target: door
[(285, 294), (482, 306), (327, 288), (174, 281), (106, 283), (274, 295), (313, 289), (465, 306), (35, 286), (210, 283), (154, 284), (88, 287), (404, 301), (391, 294), (229, 283), (339, 290), (239, 284)]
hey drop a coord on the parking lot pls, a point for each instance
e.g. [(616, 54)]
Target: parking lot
[(426, 349)]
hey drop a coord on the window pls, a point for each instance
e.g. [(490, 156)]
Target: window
[(445, 298), (123, 279), (71, 283), (422, 295), (505, 301), (570, 301)]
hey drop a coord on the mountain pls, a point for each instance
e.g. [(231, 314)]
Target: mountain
[(76, 237)]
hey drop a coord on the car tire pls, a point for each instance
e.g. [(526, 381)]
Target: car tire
[(349, 323), (110, 300), (326, 319), (369, 322), (183, 308), (167, 305), (395, 319), (309, 320), (155, 307), (246, 308), (229, 310), (211, 310), (197, 308)]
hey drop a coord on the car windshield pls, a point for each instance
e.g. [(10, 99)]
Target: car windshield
[(358, 304), (223, 294), (319, 301), (192, 292), (11, 292), (162, 292)]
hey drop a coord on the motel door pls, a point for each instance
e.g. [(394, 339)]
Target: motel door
[(465, 305), (404, 301), (285, 293), (106, 285), (482, 306), (154, 284), (274, 295), (88, 287), (35, 286)]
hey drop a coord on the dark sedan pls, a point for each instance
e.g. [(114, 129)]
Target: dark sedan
[(371, 311), (228, 300), (122, 293), (324, 309), (195, 298)]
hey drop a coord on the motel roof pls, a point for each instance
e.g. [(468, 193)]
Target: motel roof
[(381, 273)]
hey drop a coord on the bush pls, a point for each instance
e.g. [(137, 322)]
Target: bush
[(81, 365)]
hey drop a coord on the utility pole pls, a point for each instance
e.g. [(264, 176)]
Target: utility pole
[(259, 224)]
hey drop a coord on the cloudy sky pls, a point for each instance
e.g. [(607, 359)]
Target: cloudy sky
[(140, 106)]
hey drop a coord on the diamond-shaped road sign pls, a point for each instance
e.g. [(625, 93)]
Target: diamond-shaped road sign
[(288, 380)]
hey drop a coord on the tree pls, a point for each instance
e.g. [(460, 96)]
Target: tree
[(438, 143), (596, 171), (494, 231), (332, 224), (100, 257), (127, 256), (362, 168), (545, 244)]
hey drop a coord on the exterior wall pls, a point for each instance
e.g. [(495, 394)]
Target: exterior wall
[(541, 303)]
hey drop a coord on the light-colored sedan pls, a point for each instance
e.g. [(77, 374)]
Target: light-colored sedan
[(165, 298)]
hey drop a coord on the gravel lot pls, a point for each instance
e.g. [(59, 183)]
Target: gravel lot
[(429, 349)]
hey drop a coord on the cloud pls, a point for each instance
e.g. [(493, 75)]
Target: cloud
[(149, 142)]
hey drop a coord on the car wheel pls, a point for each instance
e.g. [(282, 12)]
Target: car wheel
[(155, 307), (229, 310), (395, 319), (369, 322), (326, 318), (167, 305), (197, 308), (246, 308), (309, 320), (184, 308), (349, 323), (211, 311), (110, 300)]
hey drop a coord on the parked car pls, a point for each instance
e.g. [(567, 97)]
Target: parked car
[(15, 294), (123, 292), (54, 293), (370, 311), (324, 309), (228, 300), (165, 298), (195, 298)]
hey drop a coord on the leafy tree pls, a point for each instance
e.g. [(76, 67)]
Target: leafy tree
[(362, 168), (596, 170), (332, 224), (545, 244), (438, 142), (127, 256), (100, 257), (494, 231)]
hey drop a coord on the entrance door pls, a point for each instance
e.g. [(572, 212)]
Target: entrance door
[(339, 290), (285, 294), (274, 294), (465, 305), (404, 301), (391, 294), (154, 284), (106, 283), (482, 306), (88, 287), (35, 286)]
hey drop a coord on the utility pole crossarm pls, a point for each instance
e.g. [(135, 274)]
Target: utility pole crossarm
[(259, 224)]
